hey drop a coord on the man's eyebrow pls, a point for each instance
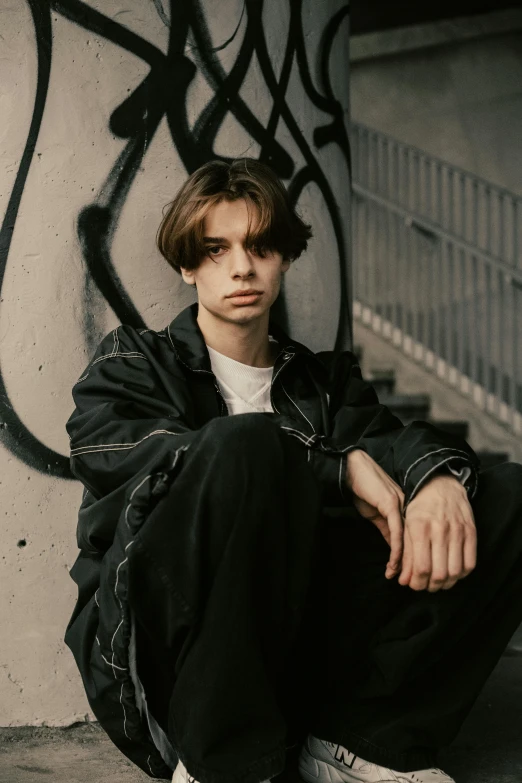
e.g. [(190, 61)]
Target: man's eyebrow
[(214, 239)]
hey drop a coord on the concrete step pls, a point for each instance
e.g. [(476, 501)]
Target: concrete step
[(407, 407), (383, 381), (460, 428)]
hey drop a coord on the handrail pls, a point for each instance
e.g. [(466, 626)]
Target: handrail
[(438, 267)]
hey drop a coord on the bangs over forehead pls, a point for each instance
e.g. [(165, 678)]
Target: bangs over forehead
[(259, 223), (273, 224)]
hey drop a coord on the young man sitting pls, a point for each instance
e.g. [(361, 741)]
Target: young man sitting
[(269, 558)]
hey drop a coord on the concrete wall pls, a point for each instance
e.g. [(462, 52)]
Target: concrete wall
[(453, 89), (105, 107)]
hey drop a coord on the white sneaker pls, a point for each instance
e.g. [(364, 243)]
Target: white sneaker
[(182, 776), (326, 762)]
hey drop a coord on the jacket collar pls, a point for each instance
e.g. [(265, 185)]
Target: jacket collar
[(188, 343)]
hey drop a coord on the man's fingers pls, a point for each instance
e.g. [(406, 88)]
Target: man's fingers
[(407, 561), (421, 546), (396, 527), (439, 560), (470, 549), (456, 553)]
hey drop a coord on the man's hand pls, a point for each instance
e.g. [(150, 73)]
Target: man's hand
[(435, 544), (440, 540), (380, 500)]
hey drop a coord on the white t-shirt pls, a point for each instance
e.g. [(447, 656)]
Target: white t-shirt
[(245, 389)]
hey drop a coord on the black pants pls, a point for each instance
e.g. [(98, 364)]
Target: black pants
[(277, 620)]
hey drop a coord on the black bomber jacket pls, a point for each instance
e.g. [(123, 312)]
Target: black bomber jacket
[(138, 405)]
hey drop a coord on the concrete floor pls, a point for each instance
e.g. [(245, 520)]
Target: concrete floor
[(488, 749)]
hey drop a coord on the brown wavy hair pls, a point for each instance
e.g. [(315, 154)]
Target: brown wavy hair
[(276, 227)]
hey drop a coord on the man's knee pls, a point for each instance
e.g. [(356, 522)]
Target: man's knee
[(506, 474), (497, 503), (243, 434)]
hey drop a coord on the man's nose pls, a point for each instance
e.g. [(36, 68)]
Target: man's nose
[(241, 262)]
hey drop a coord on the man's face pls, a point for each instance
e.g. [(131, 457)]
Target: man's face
[(230, 267)]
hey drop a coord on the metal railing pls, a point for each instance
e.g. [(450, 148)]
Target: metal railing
[(437, 268)]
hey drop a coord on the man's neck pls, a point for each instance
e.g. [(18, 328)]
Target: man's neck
[(246, 343)]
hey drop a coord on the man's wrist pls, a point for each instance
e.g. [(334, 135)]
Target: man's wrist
[(351, 458)]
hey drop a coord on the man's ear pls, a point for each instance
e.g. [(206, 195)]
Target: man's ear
[(188, 275), (285, 265)]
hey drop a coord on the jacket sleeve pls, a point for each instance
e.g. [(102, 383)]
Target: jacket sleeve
[(411, 454), (124, 425)]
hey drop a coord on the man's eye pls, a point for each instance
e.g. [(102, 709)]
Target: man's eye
[(213, 249), (258, 250)]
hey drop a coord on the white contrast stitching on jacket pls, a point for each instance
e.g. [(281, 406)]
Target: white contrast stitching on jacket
[(115, 446), (124, 713), (132, 354), (119, 601), (300, 435), (435, 467), (429, 454), (340, 477), (297, 406), (113, 665)]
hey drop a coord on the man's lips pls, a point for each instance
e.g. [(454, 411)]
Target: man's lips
[(244, 292), (247, 297)]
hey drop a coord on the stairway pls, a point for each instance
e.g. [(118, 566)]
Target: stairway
[(415, 407)]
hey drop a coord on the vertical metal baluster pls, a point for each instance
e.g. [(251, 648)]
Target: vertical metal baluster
[(517, 342), (407, 273), (367, 261), (487, 324), (435, 276), (399, 307), (386, 172), (438, 186), (463, 207), (487, 197), (474, 217), (355, 246), (371, 161), (375, 163), (451, 201), (483, 336), (415, 183), (502, 337), (517, 231), (474, 318), (444, 303), (392, 315), (421, 204), (377, 154), (385, 271), (368, 159), (501, 227), (407, 178), (461, 318), (378, 263), (452, 353), (510, 338), (429, 185)]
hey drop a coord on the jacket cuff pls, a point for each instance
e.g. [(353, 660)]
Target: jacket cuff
[(434, 463)]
